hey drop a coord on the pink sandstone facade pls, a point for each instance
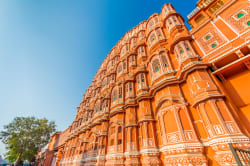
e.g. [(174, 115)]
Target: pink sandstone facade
[(166, 95)]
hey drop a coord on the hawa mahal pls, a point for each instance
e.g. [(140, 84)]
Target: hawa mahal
[(166, 95)]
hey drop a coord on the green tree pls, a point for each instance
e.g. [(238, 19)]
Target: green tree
[(25, 136)]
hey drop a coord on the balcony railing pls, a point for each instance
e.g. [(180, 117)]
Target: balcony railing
[(193, 12)]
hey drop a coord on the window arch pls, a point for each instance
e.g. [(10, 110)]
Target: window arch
[(164, 60), (129, 89), (141, 81), (97, 106), (124, 50), (124, 65), (120, 91), (156, 20), (131, 60), (107, 104), (101, 105), (156, 65), (114, 95), (142, 77), (105, 82), (112, 78), (152, 38), (119, 69), (133, 42), (159, 33), (141, 52), (141, 35)]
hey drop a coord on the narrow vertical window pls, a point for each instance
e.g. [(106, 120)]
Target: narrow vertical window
[(120, 92), (130, 86), (127, 87), (156, 65), (124, 65), (142, 78), (164, 60), (114, 95), (119, 68)]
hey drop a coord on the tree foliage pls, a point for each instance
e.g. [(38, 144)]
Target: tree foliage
[(25, 136)]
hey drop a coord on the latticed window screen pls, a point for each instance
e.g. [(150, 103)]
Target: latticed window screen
[(142, 78), (114, 95), (124, 65), (164, 60), (120, 92), (156, 65), (130, 86)]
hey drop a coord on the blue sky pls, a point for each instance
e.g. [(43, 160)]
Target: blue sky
[(51, 49)]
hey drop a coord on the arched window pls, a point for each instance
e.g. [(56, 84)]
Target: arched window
[(124, 65), (120, 92), (114, 95), (97, 106), (107, 103), (127, 87), (159, 33), (119, 68), (156, 19), (138, 79), (101, 105), (141, 35), (156, 65), (130, 86), (141, 82), (124, 50), (151, 24), (131, 60), (164, 60), (141, 52), (113, 77), (133, 42), (142, 78)]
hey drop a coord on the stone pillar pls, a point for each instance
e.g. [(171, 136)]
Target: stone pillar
[(132, 154), (149, 150), (101, 151)]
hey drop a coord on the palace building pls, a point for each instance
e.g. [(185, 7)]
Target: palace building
[(166, 95)]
